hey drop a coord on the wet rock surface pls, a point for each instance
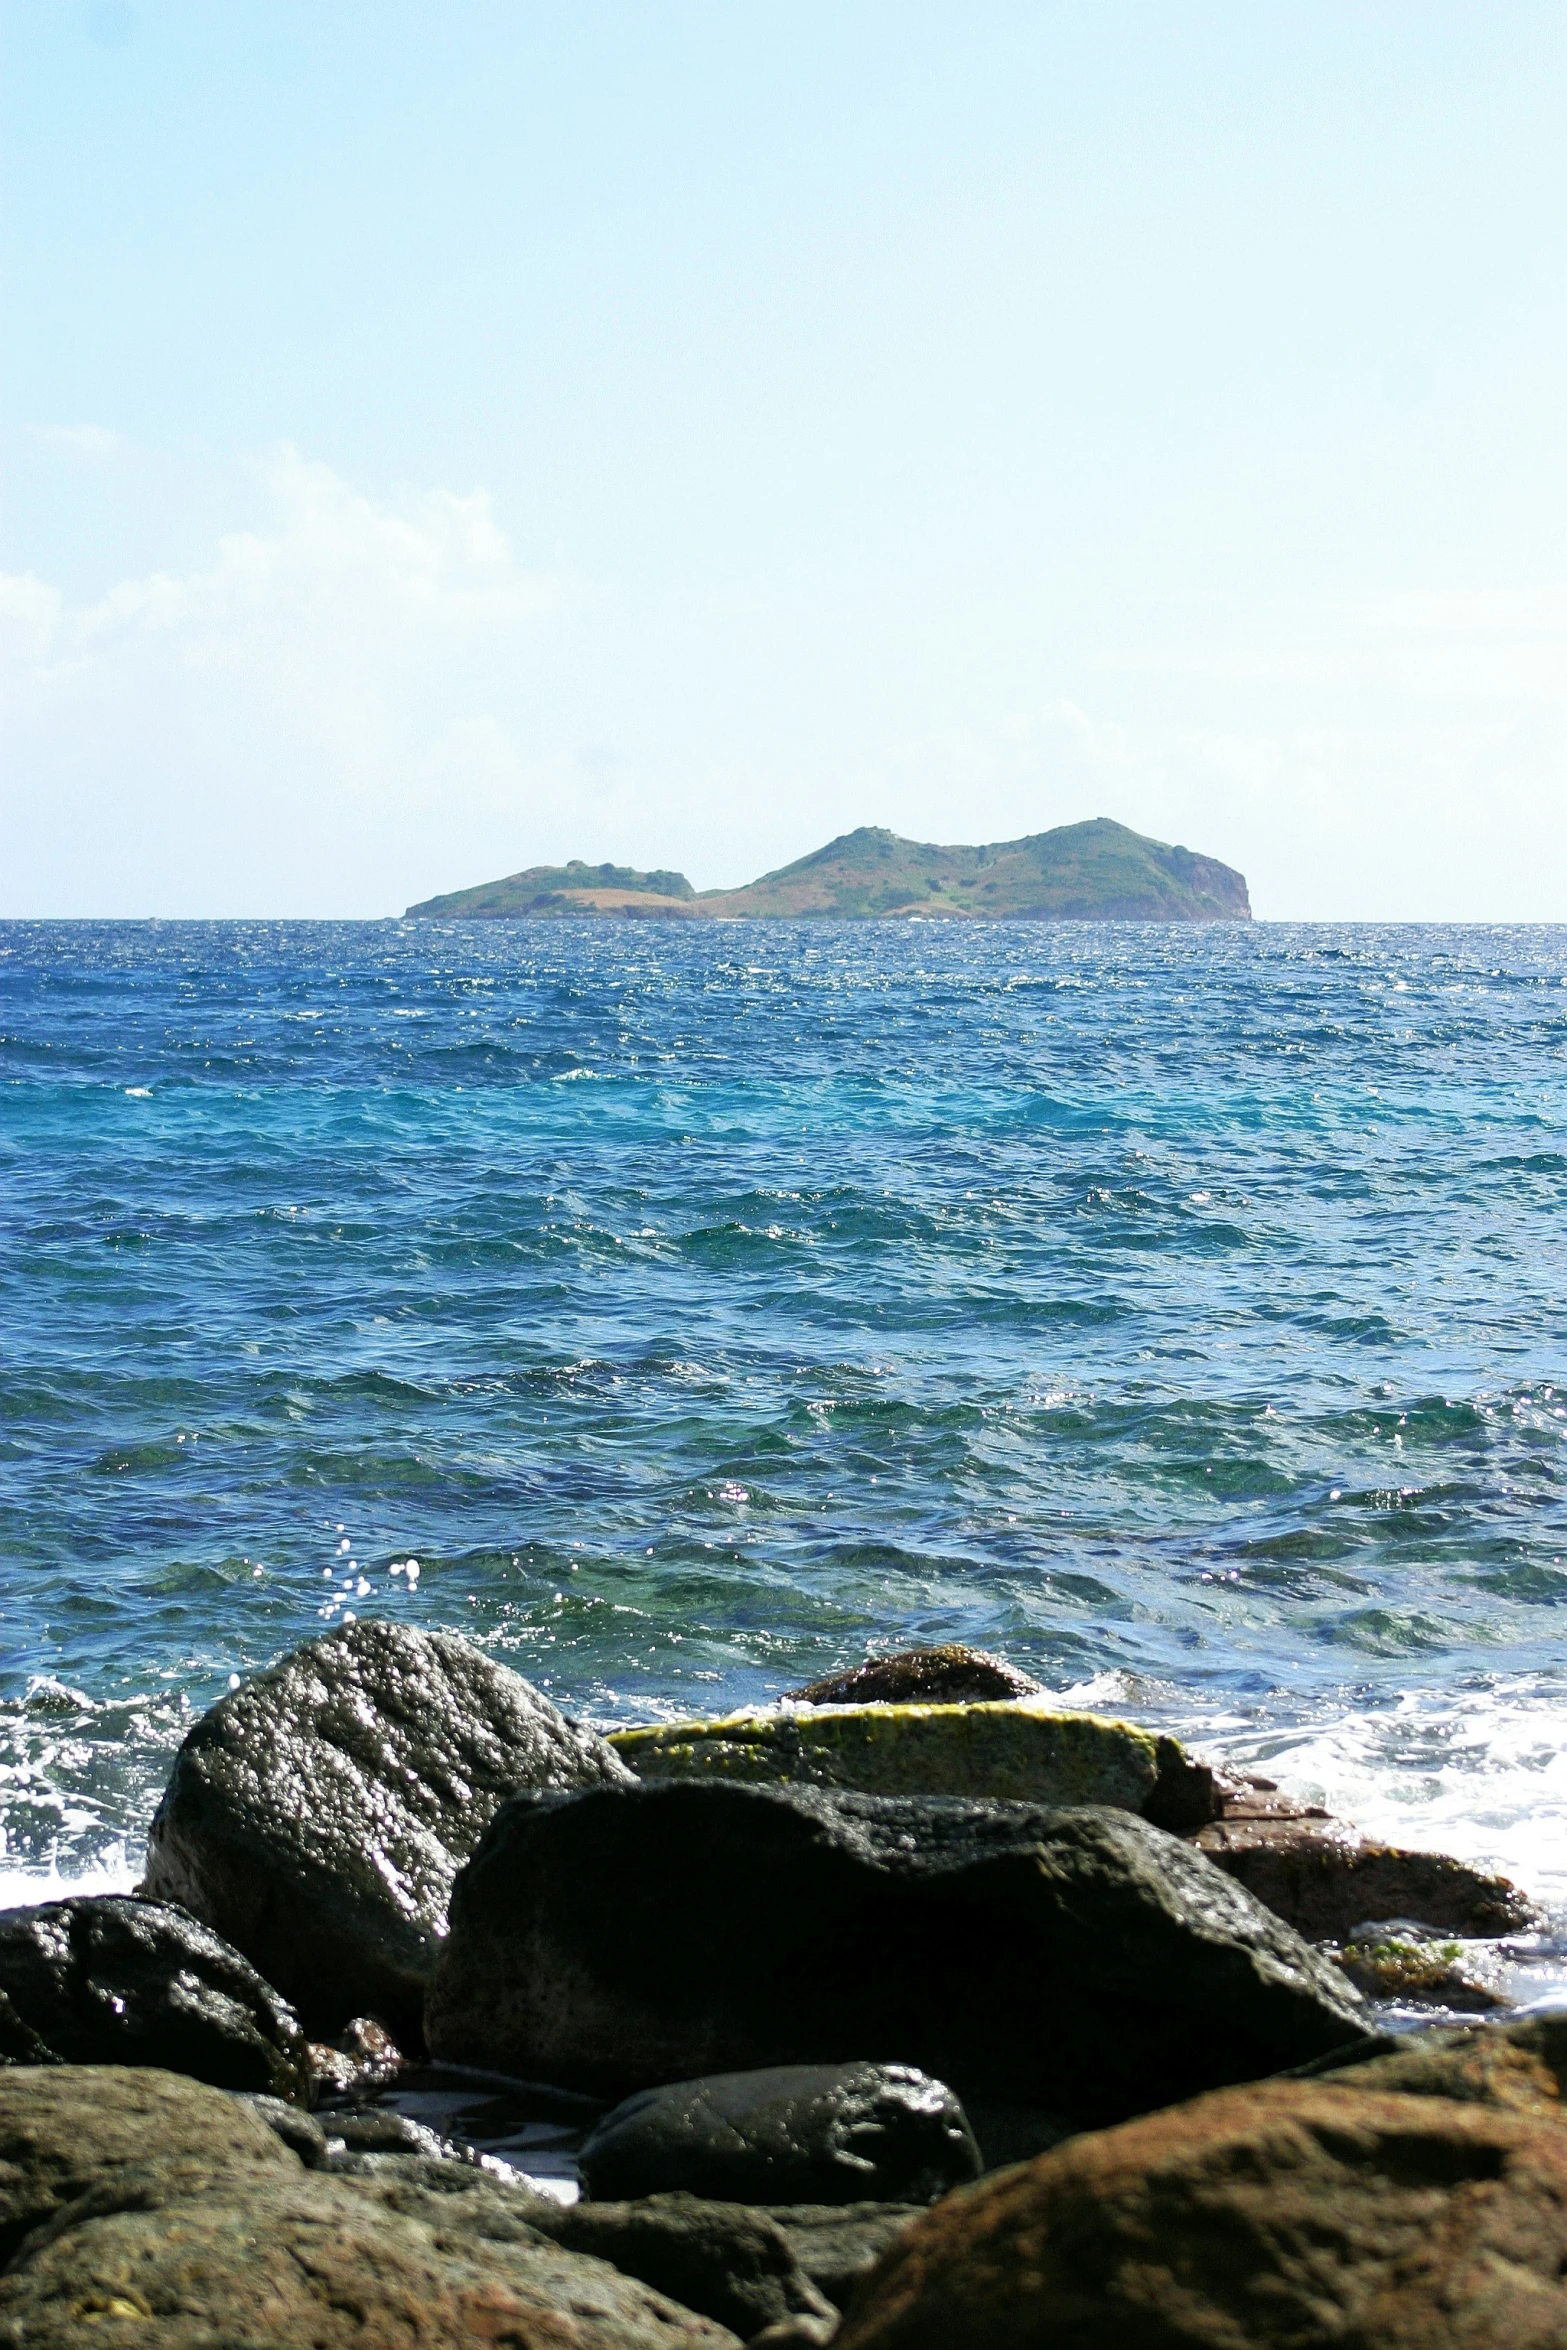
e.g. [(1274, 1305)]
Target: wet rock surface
[(533, 2130), (129, 2199), (1328, 1881), (950, 1675), (105, 1979), (790, 2134), (593, 1943), (1283, 2216), (1418, 1970), (317, 1816)]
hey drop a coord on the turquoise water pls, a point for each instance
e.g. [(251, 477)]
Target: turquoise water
[(1179, 1310)]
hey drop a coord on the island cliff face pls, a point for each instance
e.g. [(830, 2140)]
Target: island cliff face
[(1093, 872)]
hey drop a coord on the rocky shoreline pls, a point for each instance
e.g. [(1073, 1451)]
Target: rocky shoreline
[(914, 2010)]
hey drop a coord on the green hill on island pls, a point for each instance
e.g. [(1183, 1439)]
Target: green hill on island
[(1098, 871)]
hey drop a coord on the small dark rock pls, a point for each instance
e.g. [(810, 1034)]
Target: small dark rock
[(1183, 1797), (952, 1675), (839, 2243), (107, 1979), (318, 1814), (729, 2263), (593, 1942), (361, 2060), (791, 2134)]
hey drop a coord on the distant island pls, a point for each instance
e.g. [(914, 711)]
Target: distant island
[(1094, 872)]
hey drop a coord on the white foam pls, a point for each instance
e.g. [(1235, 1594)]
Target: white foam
[(23, 1888), (1478, 1770)]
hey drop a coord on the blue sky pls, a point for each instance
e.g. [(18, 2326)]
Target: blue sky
[(434, 441)]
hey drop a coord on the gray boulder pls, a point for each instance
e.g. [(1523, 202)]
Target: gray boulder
[(317, 1816), (131, 2200), (1078, 1960), (842, 2133), (104, 1979)]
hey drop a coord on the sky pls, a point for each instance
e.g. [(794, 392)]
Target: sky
[(440, 440)]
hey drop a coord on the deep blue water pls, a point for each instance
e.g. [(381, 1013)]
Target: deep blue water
[(1177, 1309)]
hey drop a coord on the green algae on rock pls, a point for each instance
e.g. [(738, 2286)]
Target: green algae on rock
[(1022, 1753)]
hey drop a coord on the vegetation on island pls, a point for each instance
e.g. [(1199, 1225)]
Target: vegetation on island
[(1097, 871)]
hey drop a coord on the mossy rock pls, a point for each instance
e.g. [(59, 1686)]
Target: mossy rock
[(1009, 1752)]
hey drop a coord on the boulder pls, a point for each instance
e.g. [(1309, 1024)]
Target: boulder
[(950, 1675), (317, 1816), (174, 2208), (723, 2260), (105, 1979), (1328, 1881), (1023, 1753), (841, 2133), (1080, 1960), (1280, 2216)]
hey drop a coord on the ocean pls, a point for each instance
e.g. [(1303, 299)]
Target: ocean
[(680, 1311)]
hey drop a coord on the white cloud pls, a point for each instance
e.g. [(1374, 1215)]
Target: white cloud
[(247, 734)]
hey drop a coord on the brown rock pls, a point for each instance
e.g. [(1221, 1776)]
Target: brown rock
[(951, 1675), (1519, 2067), (1325, 1880), (1293, 2214)]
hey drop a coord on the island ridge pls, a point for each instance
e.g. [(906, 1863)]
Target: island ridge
[(1097, 871)]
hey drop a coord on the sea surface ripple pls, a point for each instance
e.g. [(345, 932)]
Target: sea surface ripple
[(1178, 1309)]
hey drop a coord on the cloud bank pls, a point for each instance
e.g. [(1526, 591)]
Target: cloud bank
[(358, 702), (251, 737)]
